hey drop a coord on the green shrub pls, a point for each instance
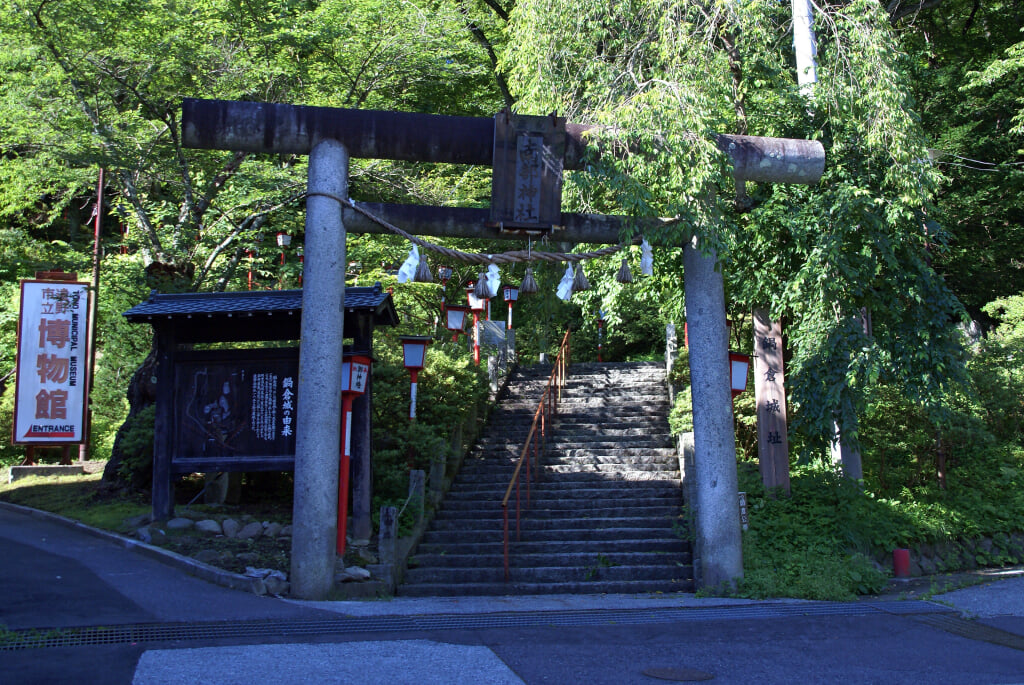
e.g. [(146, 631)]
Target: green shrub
[(450, 390), (803, 546), (137, 447)]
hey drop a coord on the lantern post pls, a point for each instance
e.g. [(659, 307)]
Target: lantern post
[(511, 296), (249, 257), (414, 356), (477, 305), (355, 370), (444, 273), (283, 241)]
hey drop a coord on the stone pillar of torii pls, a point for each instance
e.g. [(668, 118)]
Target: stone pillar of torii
[(330, 136)]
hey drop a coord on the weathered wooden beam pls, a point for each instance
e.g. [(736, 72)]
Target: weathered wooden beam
[(369, 134), (754, 158), (293, 129), (465, 222)]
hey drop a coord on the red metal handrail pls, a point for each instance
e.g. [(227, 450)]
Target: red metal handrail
[(536, 439)]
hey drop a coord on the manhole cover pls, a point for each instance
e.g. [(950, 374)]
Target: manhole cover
[(678, 675)]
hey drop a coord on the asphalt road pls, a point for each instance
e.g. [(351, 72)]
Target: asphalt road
[(80, 609)]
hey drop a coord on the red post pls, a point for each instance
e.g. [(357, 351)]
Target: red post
[(901, 563), (343, 470), (476, 338)]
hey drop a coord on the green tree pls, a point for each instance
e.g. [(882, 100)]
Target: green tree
[(102, 86), (99, 85), (967, 81), (667, 77)]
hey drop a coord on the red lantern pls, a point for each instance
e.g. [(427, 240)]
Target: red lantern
[(738, 367), (455, 320)]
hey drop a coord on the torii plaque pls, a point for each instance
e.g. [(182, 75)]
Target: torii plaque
[(329, 136)]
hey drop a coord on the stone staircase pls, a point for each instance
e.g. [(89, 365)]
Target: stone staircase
[(606, 514)]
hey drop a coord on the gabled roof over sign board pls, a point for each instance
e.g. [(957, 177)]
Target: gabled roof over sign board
[(250, 315)]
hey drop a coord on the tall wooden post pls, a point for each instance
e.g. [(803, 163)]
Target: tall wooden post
[(362, 474), (770, 399), (163, 440)]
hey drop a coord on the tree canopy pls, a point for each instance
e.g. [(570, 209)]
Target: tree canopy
[(917, 220)]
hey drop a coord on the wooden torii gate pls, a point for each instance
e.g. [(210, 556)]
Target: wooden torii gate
[(330, 136)]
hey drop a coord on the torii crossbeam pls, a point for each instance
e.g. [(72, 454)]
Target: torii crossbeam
[(330, 136)]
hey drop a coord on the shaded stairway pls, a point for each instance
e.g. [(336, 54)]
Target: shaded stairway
[(605, 516)]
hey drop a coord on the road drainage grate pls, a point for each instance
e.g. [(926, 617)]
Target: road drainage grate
[(678, 675), (242, 630), (972, 630)]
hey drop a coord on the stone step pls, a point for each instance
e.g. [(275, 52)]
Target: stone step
[(516, 419), (593, 414), (530, 523), (549, 574), (556, 500), (663, 545), (542, 492), (469, 517), (561, 440), (626, 453), (584, 432), (562, 534), (577, 373), (494, 451), (520, 588), (489, 518), (518, 559), (572, 473), (622, 368), (589, 425), (560, 475), (592, 402), (455, 506), (586, 424), (504, 461), (497, 460), (622, 387), (552, 468), (503, 464), (631, 394)]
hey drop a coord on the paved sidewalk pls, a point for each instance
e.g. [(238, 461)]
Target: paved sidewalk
[(1000, 594)]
